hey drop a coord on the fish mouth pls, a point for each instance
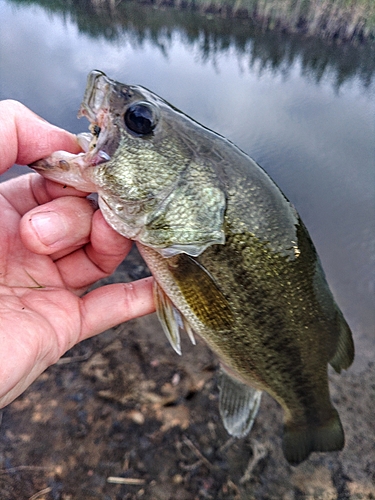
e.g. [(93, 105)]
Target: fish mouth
[(98, 145), (95, 107), (95, 100)]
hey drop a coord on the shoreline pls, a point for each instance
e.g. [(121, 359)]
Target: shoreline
[(333, 20)]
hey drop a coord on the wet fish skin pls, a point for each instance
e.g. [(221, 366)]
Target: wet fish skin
[(228, 251), (263, 349)]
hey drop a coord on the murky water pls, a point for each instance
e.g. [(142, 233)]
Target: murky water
[(302, 109)]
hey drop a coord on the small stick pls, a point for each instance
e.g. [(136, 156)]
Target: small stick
[(38, 285), (40, 493), (259, 451), (195, 450), (237, 493), (125, 480), (73, 359), (227, 444), (191, 467), (24, 467)]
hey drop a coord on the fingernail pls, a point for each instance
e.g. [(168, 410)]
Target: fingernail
[(49, 227)]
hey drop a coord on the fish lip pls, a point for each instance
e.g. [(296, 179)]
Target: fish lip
[(65, 168), (95, 98), (96, 107)]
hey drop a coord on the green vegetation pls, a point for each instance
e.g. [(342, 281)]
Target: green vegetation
[(342, 20), (334, 19)]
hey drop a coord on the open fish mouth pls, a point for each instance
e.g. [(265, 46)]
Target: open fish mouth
[(95, 98), (97, 145), (95, 107)]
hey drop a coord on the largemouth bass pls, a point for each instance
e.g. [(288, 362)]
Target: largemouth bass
[(231, 258)]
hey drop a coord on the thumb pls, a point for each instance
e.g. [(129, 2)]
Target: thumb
[(58, 225)]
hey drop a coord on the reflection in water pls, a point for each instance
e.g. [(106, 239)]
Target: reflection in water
[(330, 19), (136, 23)]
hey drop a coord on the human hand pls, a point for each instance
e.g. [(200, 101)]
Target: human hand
[(54, 244)]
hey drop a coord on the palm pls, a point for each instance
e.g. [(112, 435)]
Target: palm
[(34, 301), (42, 314), (22, 271), (32, 288)]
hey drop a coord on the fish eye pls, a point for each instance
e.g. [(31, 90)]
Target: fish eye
[(141, 118)]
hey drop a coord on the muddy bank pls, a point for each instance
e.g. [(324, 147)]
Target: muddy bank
[(123, 417)]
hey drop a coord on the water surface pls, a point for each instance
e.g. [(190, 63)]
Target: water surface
[(302, 109)]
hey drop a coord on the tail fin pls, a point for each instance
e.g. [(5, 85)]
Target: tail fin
[(298, 443)]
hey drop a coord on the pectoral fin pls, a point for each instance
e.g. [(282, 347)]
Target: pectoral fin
[(238, 404), (201, 293), (171, 319)]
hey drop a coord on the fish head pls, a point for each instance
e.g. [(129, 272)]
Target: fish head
[(141, 158)]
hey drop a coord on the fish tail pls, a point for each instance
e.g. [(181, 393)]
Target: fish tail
[(344, 354), (299, 442)]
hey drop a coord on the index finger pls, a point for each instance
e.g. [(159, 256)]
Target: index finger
[(25, 137)]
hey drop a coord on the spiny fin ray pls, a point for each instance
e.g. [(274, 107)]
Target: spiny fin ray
[(239, 404), (344, 354), (171, 319), (201, 293)]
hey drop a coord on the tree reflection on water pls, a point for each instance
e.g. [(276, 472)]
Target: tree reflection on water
[(137, 22)]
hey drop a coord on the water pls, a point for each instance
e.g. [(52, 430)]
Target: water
[(302, 109)]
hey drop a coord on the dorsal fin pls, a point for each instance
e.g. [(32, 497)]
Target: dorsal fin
[(344, 354)]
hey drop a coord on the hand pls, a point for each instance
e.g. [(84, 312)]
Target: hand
[(54, 244)]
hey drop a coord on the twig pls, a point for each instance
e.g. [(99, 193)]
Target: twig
[(125, 480), (38, 285), (227, 444), (24, 467), (73, 359), (40, 493), (198, 454), (237, 493), (259, 452), (191, 467)]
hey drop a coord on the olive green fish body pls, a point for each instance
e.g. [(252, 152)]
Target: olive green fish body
[(281, 329), (231, 258)]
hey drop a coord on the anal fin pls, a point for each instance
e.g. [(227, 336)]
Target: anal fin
[(238, 404)]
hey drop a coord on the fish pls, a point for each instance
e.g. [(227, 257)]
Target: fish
[(231, 258)]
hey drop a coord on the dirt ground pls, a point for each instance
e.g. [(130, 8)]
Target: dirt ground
[(121, 416)]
